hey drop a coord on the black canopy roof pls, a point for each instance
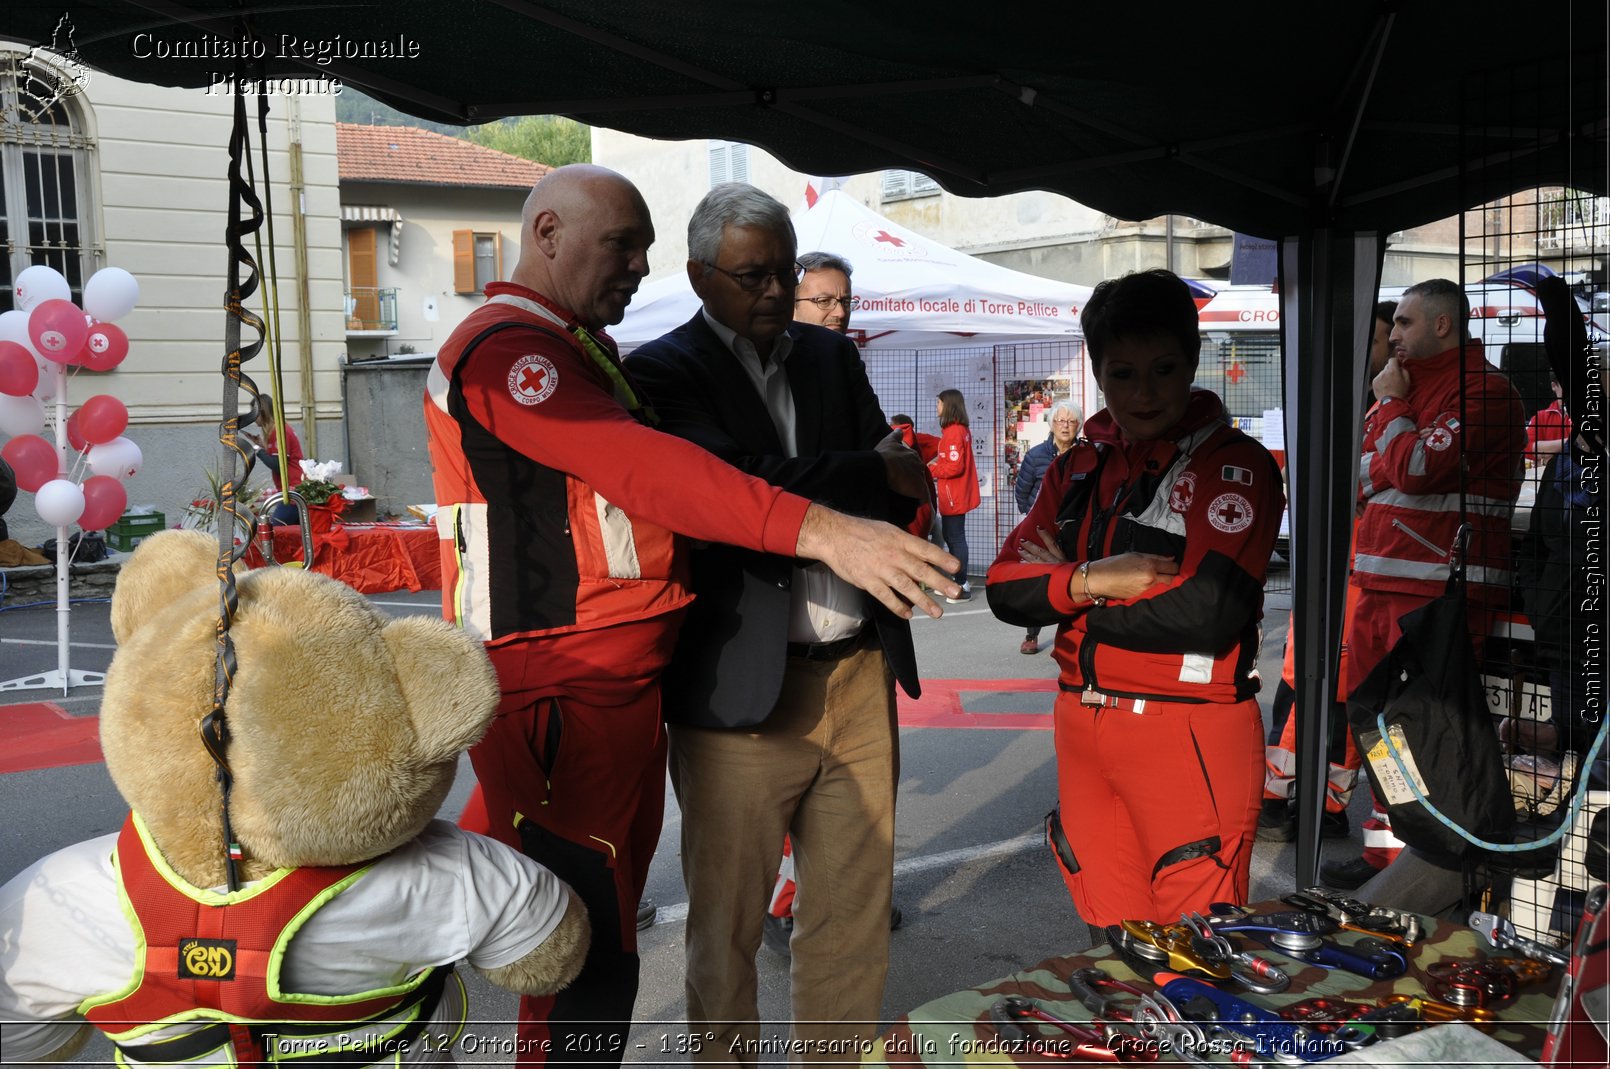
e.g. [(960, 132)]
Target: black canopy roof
[(1265, 117)]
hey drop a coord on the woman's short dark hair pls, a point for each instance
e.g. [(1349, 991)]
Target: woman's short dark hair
[(1386, 311), (952, 408), (1141, 303)]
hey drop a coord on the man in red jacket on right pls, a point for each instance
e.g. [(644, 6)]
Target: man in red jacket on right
[(1432, 460)]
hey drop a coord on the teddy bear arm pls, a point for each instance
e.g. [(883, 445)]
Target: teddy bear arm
[(553, 964), (72, 1038)]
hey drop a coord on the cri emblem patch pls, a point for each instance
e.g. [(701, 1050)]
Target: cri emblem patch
[(206, 959), (1230, 513), (532, 379), (1179, 498)]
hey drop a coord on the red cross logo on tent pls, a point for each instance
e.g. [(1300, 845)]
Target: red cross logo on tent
[(885, 236), (1235, 374), (1230, 513), (532, 379)]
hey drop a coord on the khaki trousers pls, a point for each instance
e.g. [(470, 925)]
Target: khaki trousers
[(823, 767)]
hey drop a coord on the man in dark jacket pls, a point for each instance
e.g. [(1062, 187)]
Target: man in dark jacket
[(780, 695)]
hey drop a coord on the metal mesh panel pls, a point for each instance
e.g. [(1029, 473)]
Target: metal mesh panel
[(908, 382)]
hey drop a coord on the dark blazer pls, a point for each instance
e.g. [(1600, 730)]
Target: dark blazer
[(728, 667)]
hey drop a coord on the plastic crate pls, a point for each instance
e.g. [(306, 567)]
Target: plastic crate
[(129, 529)]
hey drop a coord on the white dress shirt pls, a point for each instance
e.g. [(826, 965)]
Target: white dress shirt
[(822, 607)]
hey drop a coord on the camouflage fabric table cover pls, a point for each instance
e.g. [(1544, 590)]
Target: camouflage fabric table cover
[(956, 1029)]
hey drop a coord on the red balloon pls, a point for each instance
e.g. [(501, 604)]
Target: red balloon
[(57, 329), (104, 501), (101, 418), (33, 459), (75, 437), (19, 371), (105, 347)]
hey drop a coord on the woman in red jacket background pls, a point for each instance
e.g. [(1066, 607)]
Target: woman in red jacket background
[(955, 480)]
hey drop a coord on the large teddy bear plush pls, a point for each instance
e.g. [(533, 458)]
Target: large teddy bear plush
[(343, 730)]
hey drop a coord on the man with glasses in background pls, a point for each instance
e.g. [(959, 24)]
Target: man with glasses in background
[(823, 296), (780, 695)]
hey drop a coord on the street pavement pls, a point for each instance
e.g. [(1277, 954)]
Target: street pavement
[(980, 895)]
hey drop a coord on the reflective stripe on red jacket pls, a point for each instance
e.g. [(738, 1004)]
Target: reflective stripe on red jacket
[(1431, 461), (532, 446), (1211, 500)]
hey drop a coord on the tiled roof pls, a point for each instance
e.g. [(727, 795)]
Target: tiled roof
[(407, 154)]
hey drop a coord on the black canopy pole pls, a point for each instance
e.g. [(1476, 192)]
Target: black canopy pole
[(1329, 281)]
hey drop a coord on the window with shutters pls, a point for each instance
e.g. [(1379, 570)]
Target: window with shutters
[(729, 162), (903, 185), (477, 260), (47, 174)]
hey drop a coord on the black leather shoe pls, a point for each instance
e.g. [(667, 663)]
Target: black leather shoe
[(775, 932), (646, 912), (1276, 821), (1335, 826), (1346, 875)]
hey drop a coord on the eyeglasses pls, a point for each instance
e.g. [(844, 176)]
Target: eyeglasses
[(755, 281), (824, 302)]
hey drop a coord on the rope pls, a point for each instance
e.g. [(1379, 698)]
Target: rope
[(243, 281), (1550, 839)]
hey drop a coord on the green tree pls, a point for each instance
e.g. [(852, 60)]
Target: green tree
[(354, 106), (551, 139)]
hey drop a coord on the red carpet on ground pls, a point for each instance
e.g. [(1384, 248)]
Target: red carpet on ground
[(43, 735)]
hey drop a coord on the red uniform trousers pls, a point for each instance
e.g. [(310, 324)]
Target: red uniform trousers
[(576, 781), (1134, 786), (1372, 631)]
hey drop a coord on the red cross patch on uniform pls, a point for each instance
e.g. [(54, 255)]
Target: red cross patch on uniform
[(532, 379), (1230, 513), (1439, 439), (1180, 497)]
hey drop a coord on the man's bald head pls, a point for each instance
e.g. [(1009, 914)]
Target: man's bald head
[(585, 233)]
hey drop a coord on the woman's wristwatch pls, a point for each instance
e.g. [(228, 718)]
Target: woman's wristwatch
[(1084, 576)]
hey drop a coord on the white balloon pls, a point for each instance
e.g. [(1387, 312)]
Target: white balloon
[(110, 294), (48, 377), (40, 283), (14, 327), (21, 415), (118, 458), (59, 502)]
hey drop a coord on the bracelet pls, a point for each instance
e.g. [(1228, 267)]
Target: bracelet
[(1084, 574)]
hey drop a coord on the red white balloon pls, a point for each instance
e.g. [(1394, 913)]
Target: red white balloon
[(58, 330), (101, 418), (34, 460), (19, 370), (39, 283), (59, 502), (119, 458), (21, 415), (104, 347), (75, 436), (111, 293), (104, 501)]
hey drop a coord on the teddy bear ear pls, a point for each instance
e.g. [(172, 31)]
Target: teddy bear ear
[(448, 682), (164, 568)]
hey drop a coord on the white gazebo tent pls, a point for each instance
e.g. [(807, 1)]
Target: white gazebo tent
[(915, 293), (931, 318)]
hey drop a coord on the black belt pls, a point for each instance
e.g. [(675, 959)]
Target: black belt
[(829, 651)]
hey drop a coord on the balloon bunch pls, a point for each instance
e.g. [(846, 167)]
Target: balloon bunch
[(40, 339)]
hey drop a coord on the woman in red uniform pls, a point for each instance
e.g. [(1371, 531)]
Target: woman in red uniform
[(955, 481), (1147, 548)]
